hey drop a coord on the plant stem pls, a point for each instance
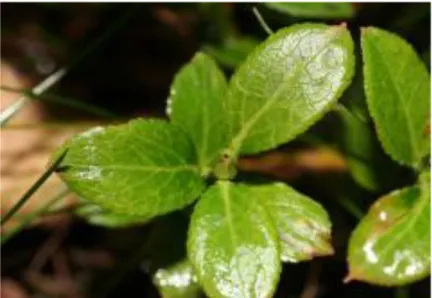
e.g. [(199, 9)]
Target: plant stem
[(32, 216), (55, 77), (33, 189), (261, 21)]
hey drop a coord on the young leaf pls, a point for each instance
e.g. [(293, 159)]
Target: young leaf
[(142, 168), (233, 244), (195, 104), (287, 84), (97, 216), (391, 245), (397, 88), (303, 224), (335, 10), (177, 281)]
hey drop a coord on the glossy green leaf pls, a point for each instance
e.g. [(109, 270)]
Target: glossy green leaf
[(397, 87), (391, 245), (143, 168), (303, 225), (287, 84), (321, 10), (195, 105), (177, 281), (97, 216), (233, 243)]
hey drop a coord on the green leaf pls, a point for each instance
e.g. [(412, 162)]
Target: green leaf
[(97, 216), (287, 84), (391, 245), (233, 244), (142, 168), (321, 10), (177, 281), (397, 88), (195, 105), (303, 224)]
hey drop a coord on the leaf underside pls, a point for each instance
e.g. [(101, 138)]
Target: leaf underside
[(303, 225), (97, 216)]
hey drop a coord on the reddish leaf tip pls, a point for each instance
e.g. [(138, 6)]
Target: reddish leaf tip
[(348, 278)]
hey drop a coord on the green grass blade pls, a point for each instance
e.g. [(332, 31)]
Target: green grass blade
[(33, 189), (69, 102), (10, 111), (34, 215), (261, 21), (55, 77)]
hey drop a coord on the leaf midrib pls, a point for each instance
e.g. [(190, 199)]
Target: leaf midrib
[(227, 209), (135, 168)]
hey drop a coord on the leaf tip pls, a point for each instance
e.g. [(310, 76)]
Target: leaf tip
[(329, 251), (340, 28), (348, 278), (326, 250), (351, 276), (343, 25)]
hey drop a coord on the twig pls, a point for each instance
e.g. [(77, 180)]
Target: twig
[(48, 248), (63, 274), (312, 284)]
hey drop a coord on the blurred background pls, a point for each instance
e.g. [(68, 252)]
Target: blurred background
[(108, 63)]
